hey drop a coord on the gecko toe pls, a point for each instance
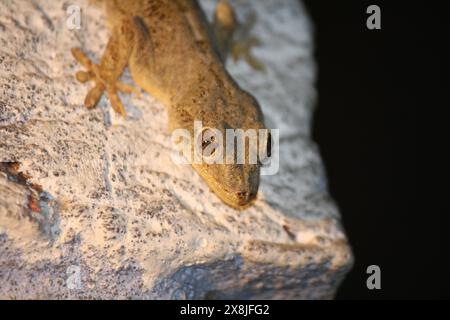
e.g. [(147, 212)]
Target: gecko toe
[(93, 96), (116, 103), (83, 76)]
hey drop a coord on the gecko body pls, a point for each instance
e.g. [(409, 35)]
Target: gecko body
[(172, 53)]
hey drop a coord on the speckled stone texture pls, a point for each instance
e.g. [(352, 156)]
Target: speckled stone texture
[(91, 206)]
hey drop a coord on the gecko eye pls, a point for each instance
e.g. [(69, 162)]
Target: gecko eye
[(269, 145), (209, 142), (263, 158)]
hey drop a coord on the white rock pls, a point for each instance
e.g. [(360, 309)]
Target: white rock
[(118, 219)]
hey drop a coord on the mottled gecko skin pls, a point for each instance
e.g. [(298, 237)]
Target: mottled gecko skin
[(172, 54)]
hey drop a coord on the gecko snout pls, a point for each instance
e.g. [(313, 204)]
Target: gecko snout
[(245, 197)]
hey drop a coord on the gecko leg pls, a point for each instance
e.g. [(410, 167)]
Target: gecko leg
[(234, 38), (106, 74)]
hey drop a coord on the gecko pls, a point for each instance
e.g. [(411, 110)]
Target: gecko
[(177, 56)]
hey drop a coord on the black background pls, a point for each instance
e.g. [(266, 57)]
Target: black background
[(379, 123)]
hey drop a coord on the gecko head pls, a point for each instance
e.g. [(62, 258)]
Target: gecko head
[(216, 128), (230, 156)]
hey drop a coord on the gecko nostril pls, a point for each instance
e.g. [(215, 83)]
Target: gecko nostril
[(241, 194)]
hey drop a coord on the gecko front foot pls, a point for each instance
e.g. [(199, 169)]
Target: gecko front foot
[(235, 38), (242, 50), (93, 73)]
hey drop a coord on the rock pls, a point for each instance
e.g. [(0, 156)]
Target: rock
[(91, 206)]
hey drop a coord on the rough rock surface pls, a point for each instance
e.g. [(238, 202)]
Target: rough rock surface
[(91, 206)]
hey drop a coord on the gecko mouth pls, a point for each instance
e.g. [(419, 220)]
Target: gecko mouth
[(239, 197), (245, 197), (238, 200)]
